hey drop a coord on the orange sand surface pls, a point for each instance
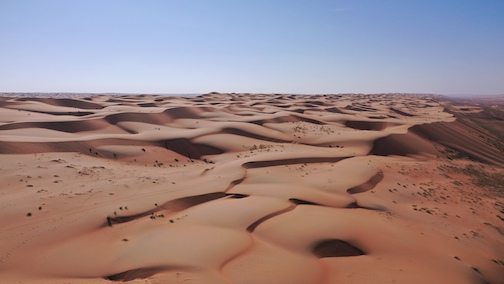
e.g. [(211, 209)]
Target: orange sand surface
[(249, 188)]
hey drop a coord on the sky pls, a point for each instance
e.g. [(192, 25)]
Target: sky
[(259, 46)]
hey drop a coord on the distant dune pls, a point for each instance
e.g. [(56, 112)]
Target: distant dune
[(251, 188)]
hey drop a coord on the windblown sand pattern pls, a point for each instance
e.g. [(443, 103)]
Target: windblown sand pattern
[(241, 188)]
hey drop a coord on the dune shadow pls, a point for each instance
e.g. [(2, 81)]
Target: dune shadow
[(366, 125), (303, 202), (254, 225), (187, 148), (236, 195), (401, 112), (190, 201), (63, 126), (133, 274), (335, 248), (239, 132), (288, 118), (272, 163), (370, 184), (175, 205)]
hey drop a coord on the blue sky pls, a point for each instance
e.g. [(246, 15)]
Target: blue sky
[(269, 46)]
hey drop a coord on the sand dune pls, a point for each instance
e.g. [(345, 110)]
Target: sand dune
[(250, 188)]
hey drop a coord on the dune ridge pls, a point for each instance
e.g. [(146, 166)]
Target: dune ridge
[(249, 188)]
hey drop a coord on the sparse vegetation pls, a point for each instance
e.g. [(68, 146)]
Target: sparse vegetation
[(480, 176), (485, 179), (453, 154)]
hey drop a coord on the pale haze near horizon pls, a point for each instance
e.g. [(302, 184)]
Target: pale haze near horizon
[(274, 46)]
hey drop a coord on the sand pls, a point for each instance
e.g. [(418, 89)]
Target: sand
[(249, 188)]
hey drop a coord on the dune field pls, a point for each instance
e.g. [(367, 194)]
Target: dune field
[(251, 188)]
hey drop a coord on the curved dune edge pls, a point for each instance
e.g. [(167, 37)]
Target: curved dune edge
[(235, 188)]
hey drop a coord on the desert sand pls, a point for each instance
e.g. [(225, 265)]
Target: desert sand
[(250, 188)]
